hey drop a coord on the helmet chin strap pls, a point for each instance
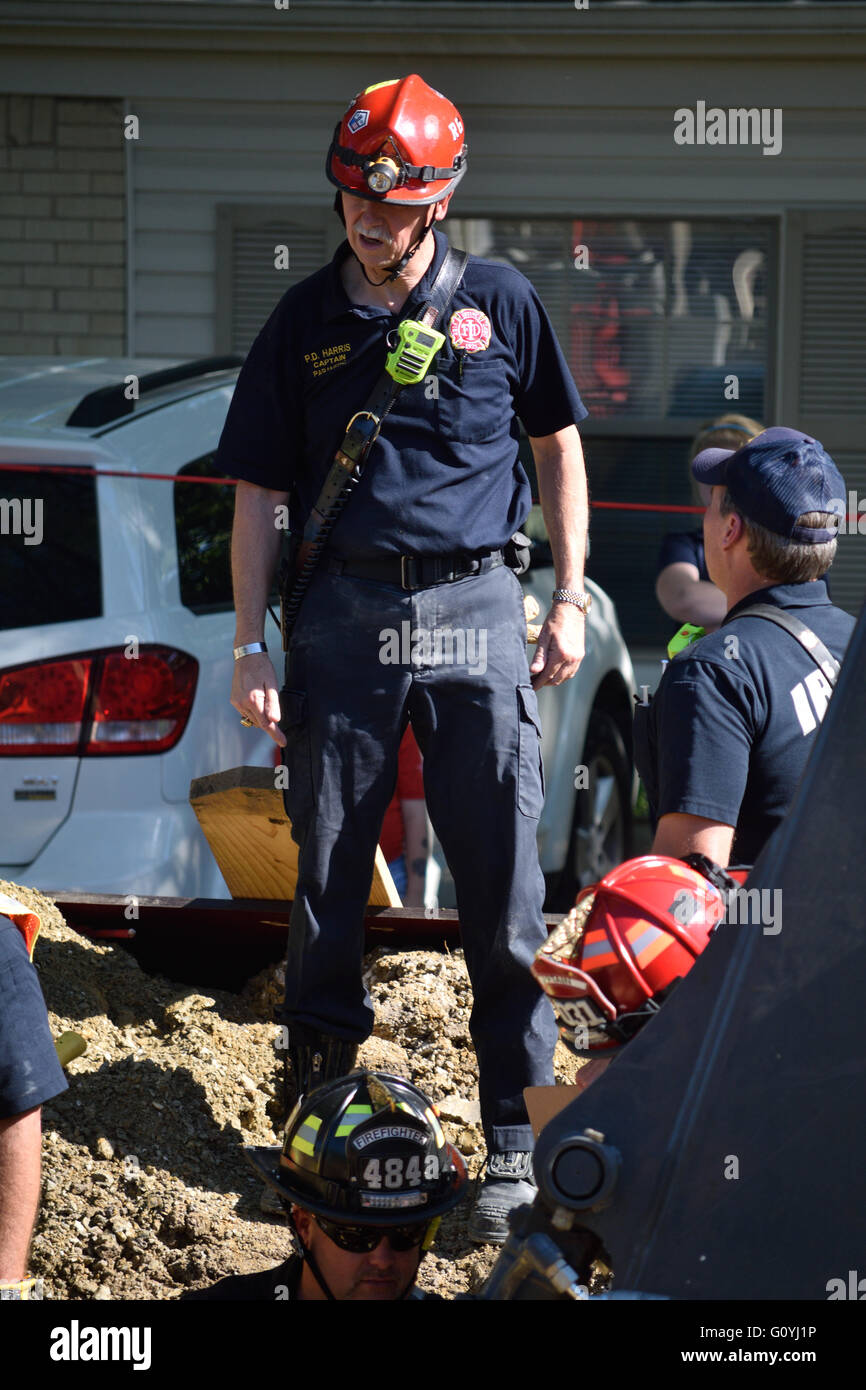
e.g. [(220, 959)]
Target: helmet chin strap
[(401, 265), (308, 1257)]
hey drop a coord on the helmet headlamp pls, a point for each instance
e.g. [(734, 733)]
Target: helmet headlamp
[(383, 174)]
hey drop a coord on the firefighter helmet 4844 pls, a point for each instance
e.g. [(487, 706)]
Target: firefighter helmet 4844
[(366, 1149)]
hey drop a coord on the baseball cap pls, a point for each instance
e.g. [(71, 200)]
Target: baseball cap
[(775, 478)]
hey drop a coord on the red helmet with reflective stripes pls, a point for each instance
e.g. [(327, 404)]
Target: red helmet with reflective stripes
[(400, 142), (610, 963)]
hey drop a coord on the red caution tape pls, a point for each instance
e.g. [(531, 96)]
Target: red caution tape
[(67, 470)]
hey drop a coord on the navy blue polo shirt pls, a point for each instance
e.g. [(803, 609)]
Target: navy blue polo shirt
[(728, 731), (683, 547), (30, 1072), (444, 474)]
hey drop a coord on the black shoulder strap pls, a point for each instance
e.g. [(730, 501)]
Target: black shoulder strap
[(443, 289), (349, 460), (810, 643), (365, 424)]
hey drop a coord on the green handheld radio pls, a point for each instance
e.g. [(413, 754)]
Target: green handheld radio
[(409, 361), (688, 633)]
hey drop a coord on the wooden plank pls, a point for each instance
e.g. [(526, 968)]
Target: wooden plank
[(244, 820)]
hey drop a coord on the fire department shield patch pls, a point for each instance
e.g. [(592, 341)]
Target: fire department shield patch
[(470, 330)]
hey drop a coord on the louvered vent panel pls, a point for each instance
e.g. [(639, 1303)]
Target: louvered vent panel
[(833, 360), (832, 373), (848, 572), (256, 284)]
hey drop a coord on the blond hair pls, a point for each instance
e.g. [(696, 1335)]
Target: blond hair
[(727, 432)]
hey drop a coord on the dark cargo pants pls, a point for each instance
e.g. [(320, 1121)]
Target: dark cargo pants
[(365, 659)]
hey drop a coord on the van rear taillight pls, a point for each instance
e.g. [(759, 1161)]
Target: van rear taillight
[(97, 703), (42, 706)]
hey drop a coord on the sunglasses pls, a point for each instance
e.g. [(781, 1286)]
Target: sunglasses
[(361, 1240)]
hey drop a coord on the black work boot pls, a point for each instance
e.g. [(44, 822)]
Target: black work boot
[(508, 1183), (311, 1059)]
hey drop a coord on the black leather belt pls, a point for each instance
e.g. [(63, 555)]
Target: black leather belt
[(409, 572)]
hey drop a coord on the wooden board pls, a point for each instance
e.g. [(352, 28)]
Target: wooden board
[(244, 821)]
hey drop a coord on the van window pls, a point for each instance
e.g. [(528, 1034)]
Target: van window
[(49, 548), (203, 514)]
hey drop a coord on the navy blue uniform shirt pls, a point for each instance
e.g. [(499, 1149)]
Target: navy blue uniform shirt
[(728, 731), (683, 547), (444, 474), (29, 1070)]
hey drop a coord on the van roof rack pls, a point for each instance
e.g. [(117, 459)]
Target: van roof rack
[(110, 403)]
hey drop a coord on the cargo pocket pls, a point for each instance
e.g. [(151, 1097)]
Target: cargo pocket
[(530, 769), (296, 757)]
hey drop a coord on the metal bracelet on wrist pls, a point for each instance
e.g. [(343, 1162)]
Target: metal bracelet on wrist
[(578, 597), (248, 649)]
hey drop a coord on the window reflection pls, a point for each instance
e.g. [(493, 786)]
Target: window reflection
[(654, 316)]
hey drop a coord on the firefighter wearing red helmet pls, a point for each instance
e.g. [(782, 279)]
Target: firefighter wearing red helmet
[(399, 143), (425, 545)]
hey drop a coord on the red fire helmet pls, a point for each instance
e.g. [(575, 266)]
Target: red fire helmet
[(609, 964), (400, 142)]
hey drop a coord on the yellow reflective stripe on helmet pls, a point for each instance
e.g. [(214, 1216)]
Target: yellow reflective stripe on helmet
[(353, 1116), (377, 86), (305, 1139)]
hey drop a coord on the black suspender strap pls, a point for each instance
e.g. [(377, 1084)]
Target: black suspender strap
[(349, 460), (783, 617), (365, 424), (444, 286)]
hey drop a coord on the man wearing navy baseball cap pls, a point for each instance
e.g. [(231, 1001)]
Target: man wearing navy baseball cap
[(722, 744)]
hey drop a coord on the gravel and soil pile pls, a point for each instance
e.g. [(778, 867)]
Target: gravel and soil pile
[(145, 1189)]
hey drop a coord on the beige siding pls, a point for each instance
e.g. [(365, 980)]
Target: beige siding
[(187, 162), (597, 152), (62, 224)]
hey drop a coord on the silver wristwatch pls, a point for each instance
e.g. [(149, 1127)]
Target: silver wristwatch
[(248, 649), (578, 597)]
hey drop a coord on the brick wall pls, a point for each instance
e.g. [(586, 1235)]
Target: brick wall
[(62, 230)]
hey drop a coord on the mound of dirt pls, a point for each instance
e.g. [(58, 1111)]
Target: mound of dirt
[(145, 1188)]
